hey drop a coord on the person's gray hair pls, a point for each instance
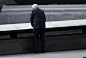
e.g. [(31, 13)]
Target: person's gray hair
[(34, 5)]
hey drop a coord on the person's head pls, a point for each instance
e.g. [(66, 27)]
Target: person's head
[(34, 6)]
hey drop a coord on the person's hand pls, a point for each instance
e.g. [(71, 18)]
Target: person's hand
[(31, 12), (31, 27)]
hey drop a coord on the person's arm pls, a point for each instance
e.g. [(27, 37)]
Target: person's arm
[(31, 18), (44, 16)]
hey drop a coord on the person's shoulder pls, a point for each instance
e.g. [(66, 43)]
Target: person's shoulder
[(41, 10)]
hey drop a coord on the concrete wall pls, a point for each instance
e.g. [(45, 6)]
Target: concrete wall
[(53, 43), (23, 16)]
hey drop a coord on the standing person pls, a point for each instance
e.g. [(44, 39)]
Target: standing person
[(38, 23)]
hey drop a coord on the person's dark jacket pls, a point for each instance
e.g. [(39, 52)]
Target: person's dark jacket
[(38, 18), (1, 7)]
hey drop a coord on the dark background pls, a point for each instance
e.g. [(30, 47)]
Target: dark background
[(51, 1)]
